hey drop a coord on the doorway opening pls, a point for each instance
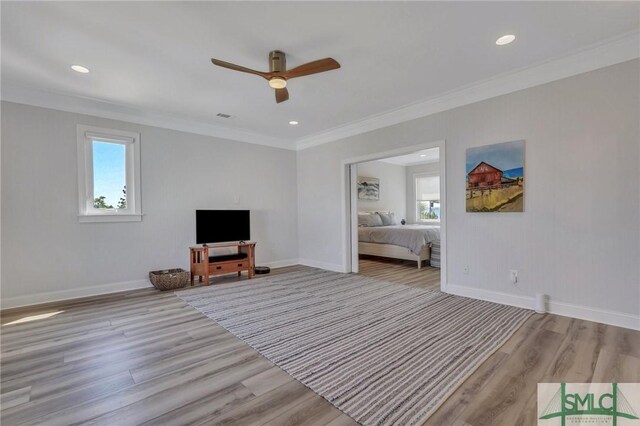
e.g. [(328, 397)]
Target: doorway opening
[(395, 215)]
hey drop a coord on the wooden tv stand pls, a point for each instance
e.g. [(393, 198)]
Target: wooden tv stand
[(204, 266)]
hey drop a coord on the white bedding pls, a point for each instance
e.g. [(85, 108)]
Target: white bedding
[(413, 237)]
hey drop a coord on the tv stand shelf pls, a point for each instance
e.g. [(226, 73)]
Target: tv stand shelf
[(227, 257), (205, 266)]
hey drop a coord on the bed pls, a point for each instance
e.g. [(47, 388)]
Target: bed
[(408, 242)]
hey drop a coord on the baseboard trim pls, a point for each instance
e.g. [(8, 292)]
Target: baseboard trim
[(322, 265), (57, 296), (595, 314), (603, 316), (491, 296)]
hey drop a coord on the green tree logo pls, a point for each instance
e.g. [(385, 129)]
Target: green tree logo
[(612, 404)]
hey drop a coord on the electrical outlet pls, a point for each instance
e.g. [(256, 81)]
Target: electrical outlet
[(513, 276), (466, 270)]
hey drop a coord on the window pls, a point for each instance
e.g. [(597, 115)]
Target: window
[(427, 198), (108, 175)]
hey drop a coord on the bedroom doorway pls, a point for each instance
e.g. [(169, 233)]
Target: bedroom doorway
[(395, 215)]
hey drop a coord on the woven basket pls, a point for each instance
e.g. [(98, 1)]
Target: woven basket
[(169, 279)]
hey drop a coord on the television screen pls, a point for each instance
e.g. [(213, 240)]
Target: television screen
[(219, 226)]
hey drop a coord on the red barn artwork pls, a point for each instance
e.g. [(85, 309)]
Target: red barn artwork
[(485, 176), (495, 177)]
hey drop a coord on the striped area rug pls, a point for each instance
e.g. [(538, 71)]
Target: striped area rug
[(382, 353)]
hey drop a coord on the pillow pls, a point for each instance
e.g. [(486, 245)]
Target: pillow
[(362, 219), (388, 218), (369, 220)]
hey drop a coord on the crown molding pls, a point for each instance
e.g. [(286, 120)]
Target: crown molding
[(609, 52), (17, 93)]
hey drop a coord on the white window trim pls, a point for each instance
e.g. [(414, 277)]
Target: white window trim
[(86, 211), (415, 196)]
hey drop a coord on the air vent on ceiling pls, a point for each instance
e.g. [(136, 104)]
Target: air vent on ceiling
[(222, 115)]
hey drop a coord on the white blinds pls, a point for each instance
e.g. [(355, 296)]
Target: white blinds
[(108, 138), (428, 188)]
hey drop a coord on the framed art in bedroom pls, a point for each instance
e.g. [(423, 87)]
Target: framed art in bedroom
[(495, 178), (368, 188)]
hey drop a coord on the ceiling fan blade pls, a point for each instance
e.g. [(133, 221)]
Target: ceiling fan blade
[(282, 95), (321, 65), (235, 67)]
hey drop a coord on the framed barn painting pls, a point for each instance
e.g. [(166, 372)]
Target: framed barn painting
[(495, 178), (368, 188)]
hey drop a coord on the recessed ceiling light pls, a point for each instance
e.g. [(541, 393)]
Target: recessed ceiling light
[(505, 39), (294, 123), (80, 69), (423, 155)]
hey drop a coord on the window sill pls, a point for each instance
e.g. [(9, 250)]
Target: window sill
[(96, 218)]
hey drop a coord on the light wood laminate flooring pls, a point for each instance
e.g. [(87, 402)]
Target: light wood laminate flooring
[(146, 357)]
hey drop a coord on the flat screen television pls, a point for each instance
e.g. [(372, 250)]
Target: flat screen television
[(220, 226)]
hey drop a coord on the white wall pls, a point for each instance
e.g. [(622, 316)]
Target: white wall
[(393, 187), (410, 172), (579, 237), (47, 254)]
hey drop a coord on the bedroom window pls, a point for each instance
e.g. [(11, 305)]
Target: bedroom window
[(108, 175), (427, 198)]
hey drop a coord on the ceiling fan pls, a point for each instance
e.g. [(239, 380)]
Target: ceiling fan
[(278, 73)]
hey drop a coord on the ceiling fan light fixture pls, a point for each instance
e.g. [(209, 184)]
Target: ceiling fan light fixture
[(277, 83)]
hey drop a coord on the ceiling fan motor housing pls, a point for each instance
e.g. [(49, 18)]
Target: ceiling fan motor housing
[(277, 61)]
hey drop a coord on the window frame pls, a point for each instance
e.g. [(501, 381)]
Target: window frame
[(86, 212), (416, 207)]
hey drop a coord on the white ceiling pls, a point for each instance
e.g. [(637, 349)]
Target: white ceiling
[(425, 156), (154, 57)]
